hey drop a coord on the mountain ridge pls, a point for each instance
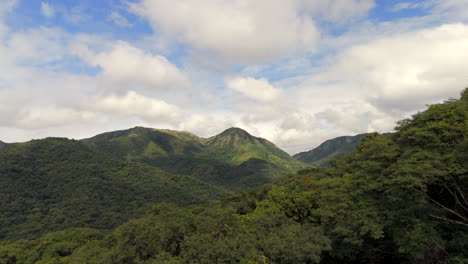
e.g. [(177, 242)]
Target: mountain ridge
[(220, 159), (329, 149)]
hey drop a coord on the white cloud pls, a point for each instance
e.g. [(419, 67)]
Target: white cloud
[(126, 64), (133, 104), (379, 72), (51, 116), (405, 71), (37, 46), (237, 30), (260, 89), (248, 31), (47, 10), (119, 20)]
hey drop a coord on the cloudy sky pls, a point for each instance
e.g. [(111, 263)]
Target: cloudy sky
[(296, 72)]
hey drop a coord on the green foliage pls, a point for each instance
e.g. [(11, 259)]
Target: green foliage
[(330, 149), (53, 248), (52, 184)]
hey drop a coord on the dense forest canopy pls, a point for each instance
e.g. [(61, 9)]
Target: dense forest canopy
[(55, 183), (398, 198)]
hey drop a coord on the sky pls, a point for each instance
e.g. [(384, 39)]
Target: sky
[(296, 72)]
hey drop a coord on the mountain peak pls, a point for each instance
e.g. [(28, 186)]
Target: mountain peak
[(234, 136), (235, 131)]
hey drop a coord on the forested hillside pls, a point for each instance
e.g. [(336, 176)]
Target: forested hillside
[(233, 159), (55, 183), (398, 198), (330, 149)]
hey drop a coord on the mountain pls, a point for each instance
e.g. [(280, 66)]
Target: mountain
[(233, 159), (236, 146), (147, 143), (100, 182), (2, 144), (333, 148), (398, 198), (55, 183)]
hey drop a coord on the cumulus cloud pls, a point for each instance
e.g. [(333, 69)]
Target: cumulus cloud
[(127, 64), (37, 46), (361, 80), (260, 89), (237, 30), (133, 104), (404, 71), (47, 10), (51, 116)]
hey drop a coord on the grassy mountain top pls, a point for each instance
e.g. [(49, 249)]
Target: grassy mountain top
[(147, 143), (234, 133), (236, 146), (330, 149), (138, 131)]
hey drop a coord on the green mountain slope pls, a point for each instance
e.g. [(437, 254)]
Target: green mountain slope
[(235, 145), (147, 143), (232, 159), (2, 144), (330, 149), (55, 183)]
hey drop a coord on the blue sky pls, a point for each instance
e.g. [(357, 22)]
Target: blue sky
[(295, 72)]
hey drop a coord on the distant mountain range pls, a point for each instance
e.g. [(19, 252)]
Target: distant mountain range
[(330, 149), (233, 159), (100, 182)]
